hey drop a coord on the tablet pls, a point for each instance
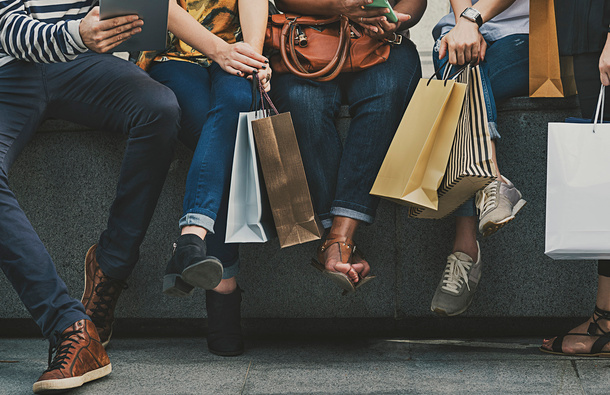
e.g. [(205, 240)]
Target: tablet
[(154, 14)]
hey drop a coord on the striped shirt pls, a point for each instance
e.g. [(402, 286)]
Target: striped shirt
[(41, 31)]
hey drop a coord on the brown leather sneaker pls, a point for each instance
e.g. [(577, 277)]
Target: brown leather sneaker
[(79, 358), (100, 296)]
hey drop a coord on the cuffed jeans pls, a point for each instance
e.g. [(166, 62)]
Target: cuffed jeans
[(340, 177), (103, 92), (211, 100), (504, 74)]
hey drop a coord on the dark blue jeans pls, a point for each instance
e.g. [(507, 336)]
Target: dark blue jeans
[(211, 101), (505, 74), (103, 92), (340, 177)]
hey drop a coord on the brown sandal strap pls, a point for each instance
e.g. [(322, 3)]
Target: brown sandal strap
[(346, 247)]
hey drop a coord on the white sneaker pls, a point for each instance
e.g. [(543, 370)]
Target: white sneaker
[(456, 289), (497, 203)]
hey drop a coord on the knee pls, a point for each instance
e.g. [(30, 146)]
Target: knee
[(300, 98), (238, 100), (159, 113)]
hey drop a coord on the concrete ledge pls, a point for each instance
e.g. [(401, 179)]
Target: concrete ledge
[(65, 181)]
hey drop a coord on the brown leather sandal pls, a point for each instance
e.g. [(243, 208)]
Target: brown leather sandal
[(347, 250)]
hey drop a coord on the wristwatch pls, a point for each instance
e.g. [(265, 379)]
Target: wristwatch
[(472, 15)]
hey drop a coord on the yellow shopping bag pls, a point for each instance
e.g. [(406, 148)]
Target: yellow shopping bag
[(415, 163)]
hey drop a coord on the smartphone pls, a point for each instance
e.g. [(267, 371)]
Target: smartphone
[(384, 4)]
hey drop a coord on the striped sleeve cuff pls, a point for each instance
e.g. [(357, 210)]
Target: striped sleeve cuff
[(74, 36)]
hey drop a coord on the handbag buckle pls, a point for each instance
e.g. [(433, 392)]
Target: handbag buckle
[(397, 39)]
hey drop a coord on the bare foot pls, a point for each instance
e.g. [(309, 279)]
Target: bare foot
[(332, 262), (580, 344)]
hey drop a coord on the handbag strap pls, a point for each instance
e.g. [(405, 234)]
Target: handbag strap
[(332, 69)]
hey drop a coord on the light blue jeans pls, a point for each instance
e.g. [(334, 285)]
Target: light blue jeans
[(505, 74)]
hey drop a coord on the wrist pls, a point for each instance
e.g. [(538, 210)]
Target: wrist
[(217, 49), (472, 15)]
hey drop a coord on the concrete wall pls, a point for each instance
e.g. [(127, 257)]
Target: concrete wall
[(65, 181)]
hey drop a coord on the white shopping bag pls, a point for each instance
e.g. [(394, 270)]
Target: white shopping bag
[(246, 220), (578, 190)]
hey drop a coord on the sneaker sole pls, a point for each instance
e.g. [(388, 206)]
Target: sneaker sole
[(174, 285), (227, 353), (444, 313), (206, 274), (55, 386), (489, 228)]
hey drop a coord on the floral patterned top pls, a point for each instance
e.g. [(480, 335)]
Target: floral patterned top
[(221, 17)]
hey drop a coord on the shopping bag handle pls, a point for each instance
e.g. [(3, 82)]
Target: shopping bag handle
[(456, 73), (599, 112), (263, 95)]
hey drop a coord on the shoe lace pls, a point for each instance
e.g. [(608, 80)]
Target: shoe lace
[(456, 272), (62, 351), (487, 197), (106, 290)]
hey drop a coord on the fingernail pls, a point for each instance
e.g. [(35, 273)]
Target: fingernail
[(239, 73), (264, 67), (383, 19), (266, 60)]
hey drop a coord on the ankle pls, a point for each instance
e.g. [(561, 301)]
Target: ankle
[(226, 286), (194, 230)]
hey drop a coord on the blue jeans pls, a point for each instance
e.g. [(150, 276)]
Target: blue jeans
[(505, 74), (106, 93), (211, 101), (340, 177)]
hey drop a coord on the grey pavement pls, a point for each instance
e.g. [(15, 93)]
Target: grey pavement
[(339, 365)]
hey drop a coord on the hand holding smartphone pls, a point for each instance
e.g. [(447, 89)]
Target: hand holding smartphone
[(384, 4)]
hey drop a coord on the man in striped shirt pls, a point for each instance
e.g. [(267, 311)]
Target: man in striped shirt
[(53, 63)]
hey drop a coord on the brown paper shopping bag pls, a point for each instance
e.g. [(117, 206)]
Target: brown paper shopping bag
[(280, 159), (551, 75), (416, 160), (470, 167)]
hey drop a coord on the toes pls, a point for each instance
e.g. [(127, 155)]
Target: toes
[(343, 268), (353, 275), (362, 267)]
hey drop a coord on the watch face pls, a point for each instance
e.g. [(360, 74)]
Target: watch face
[(470, 13)]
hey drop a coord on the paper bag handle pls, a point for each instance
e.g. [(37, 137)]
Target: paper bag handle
[(599, 112), (264, 96), (447, 75)]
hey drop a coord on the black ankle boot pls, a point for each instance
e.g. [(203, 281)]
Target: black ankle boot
[(190, 267), (224, 323)]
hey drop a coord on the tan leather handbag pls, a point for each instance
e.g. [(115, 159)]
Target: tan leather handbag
[(321, 47)]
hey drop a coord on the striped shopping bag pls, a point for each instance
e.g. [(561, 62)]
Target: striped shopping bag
[(470, 167)]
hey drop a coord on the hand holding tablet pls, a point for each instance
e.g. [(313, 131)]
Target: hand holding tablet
[(153, 13)]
